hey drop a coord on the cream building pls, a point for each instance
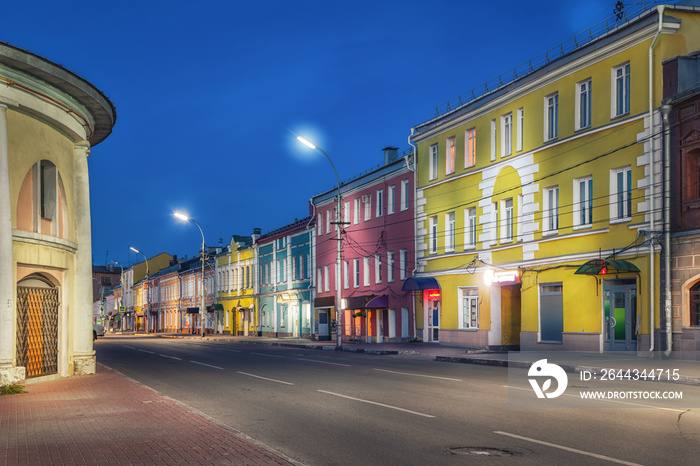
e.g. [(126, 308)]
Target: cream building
[(49, 120)]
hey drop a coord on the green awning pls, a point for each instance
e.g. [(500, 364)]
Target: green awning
[(605, 267)]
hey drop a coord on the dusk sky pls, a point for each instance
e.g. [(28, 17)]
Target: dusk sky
[(210, 96)]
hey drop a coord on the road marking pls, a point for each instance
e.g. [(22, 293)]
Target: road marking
[(603, 399), (573, 450), (231, 350), (325, 362), (419, 375), (377, 404), (127, 346), (264, 378), (170, 357), (268, 355), (208, 365), (146, 351)]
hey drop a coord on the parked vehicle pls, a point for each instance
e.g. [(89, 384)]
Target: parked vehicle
[(98, 330)]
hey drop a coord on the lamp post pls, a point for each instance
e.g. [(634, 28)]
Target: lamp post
[(339, 227), (121, 303), (148, 289), (184, 217)]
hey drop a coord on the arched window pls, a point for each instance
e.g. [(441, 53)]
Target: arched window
[(41, 206), (695, 305)]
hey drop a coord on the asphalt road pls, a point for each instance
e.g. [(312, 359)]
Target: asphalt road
[(327, 407)]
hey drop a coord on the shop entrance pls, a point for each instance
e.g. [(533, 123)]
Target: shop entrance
[(620, 315), (433, 317), (324, 333), (510, 315)]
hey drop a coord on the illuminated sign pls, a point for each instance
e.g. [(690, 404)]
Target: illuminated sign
[(499, 277)]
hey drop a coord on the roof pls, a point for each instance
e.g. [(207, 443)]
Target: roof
[(285, 230), (85, 93)]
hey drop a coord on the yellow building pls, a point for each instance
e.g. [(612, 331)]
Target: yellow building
[(536, 212), (236, 272), (49, 120)]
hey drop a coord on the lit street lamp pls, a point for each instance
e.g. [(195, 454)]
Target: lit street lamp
[(339, 227), (184, 217), (148, 291)]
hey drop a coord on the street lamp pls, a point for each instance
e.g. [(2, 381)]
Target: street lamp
[(184, 217), (148, 289), (121, 283), (339, 227)]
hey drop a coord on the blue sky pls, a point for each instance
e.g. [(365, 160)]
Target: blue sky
[(210, 96)]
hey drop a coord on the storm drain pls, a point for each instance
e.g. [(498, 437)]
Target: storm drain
[(484, 451)]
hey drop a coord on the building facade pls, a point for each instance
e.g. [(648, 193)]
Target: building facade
[(284, 271), (539, 196), (49, 120), (377, 241), (236, 269)]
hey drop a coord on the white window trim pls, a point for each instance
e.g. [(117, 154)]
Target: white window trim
[(365, 274), (377, 268), (506, 135), (469, 293), (469, 136), (367, 201), (391, 200), (450, 232), (346, 275), (555, 118), (547, 208), (450, 155), (577, 203), (614, 193), (494, 224), (433, 162), (390, 266), (403, 264), (380, 203), (469, 228), (507, 233), (356, 273), (613, 91), (356, 212), (589, 100), (519, 129), (494, 140), (404, 195), (432, 234)]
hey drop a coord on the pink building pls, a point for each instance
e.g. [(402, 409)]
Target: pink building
[(377, 248)]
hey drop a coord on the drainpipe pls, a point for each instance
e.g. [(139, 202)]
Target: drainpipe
[(312, 265), (415, 229), (666, 110), (660, 9)]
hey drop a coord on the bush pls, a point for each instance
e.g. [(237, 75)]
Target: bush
[(11, 389)]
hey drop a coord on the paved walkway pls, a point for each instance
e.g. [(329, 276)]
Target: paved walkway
[(107, 418)]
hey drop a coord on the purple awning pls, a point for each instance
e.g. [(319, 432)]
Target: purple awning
[(379, 302)]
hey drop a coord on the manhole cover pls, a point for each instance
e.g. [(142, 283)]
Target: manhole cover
[(483, 451)]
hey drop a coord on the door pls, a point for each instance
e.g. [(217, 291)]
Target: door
[(620, 317), (510, 315), (433, 319), (380, 326), (324, 333), (246, 321), (37, 329)]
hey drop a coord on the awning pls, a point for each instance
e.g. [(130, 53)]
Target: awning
[(218, 307), (193, 310), (324, 301), (420, 283), (378, 302), (606, 266)]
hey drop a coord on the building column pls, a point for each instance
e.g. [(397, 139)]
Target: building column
[(83, 352), (8, 373)]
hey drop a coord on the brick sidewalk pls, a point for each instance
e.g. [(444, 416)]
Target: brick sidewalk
[(108, 419)]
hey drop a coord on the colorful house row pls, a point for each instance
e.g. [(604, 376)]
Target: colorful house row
[(540, 206)]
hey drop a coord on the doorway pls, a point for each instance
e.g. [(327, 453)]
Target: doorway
[(433, 318), (620, 315), (37, 326), (324, 333), (510, 315)]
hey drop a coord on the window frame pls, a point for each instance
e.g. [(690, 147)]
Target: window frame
[(390, 266), (450, 154), (584, 101), (433, 162), (551, 116), (391, 199), (470, 148), (450, 232), (519, 138), (621, 200), (586, 202), (468, 311), (380, 203), (405, 194), (365, 271), (550, 213), (506, 134), (620, 106), (432, 234), (470, 224)]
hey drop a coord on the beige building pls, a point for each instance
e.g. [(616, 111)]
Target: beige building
[(49, 120)]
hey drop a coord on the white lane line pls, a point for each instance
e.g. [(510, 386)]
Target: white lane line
[(268, 355), (264, 378), (573, 450), (146, 351), (231, 350), (208, 365), (325, 362), (170, 357), (127, 346), (377, 404), (603, 399), (418, 375)]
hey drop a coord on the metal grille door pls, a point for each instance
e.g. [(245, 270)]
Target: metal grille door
[(37, 330)]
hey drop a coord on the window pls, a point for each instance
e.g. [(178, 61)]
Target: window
[(48, 190), (583, 202), (494, 223), (294, 268), (507, 220), (468, 308), (320, 224), (390, 199), (470, 148), (301, 267), (690, 177), (390, 266), (493, 140), (377, 268), (346, 275), (403, 264), (695, 305), (551, 312), (519, 136), (550, 214), (346, 213), (583, 104), (328, 221), (450, 232), (621, 90), (380, 203), (506, 135), (356, 213), (433, 167), (621, 194), (433, 231), (367, 200), (404, 195), (450, 156), (365, 275), (326, 278), (470, 228), (551, 117), (356, 281)]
